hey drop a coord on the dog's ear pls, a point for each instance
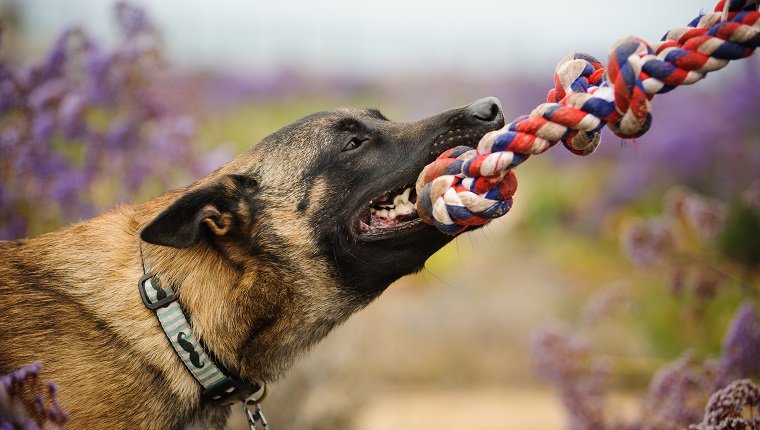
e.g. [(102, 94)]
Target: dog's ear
[(212, 207)]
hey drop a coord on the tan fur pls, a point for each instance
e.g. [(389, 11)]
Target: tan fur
[(260, 286)]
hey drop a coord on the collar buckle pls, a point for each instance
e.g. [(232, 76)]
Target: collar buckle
[(228, 391), (153, 295)]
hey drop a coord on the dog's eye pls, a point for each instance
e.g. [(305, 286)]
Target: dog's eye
[(353, 144)]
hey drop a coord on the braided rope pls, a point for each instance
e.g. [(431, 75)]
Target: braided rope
[(467, 186)]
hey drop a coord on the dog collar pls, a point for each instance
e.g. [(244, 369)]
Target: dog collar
[(219, 386)]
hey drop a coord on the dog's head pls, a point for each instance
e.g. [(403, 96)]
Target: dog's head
[(314, 222), (336, 186)]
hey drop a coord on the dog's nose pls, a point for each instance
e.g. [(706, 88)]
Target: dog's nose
[(486, 110)]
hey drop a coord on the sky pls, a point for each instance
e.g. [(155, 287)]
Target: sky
[(378, 38)]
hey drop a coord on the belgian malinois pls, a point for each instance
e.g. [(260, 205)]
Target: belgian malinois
[(265, 255)]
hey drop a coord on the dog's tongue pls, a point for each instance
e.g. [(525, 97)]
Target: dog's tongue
[(452, 196)]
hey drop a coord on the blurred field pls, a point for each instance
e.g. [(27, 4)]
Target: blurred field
[(451, 346)]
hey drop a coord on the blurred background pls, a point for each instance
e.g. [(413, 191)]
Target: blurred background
[(620, 292)]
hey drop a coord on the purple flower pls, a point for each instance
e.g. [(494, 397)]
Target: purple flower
[(47, 93), (131, 20), (607, 302), (66, 187), (9, 138), (726, 408), (706, 216), (648, 242), (741, 347), (50, 166), (676, 280), (137, 171), (172, 134), (98, 68), (82, 115), (70, 117), (677, 395), (53, 65), (121, 134), (214, 160), (9, 97), (567, 361), (43, 126), (13, 227), (751, 197), (25, 404)]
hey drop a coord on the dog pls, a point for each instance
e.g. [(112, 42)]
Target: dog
[(264, 256)]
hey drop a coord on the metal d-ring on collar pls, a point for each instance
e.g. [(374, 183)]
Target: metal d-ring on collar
[(252, 409), (219, 386)]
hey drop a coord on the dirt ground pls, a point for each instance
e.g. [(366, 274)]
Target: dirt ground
[(484, 409)]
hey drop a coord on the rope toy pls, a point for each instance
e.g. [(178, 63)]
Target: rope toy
[(467, 187)]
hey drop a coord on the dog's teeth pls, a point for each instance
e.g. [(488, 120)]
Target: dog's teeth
[(401, 205), (403, 197), (404, 209)]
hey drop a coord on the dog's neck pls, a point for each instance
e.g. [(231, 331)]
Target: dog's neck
[(201, 289), (219, 385)]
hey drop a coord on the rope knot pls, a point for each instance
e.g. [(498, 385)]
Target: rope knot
[(467, 186), (449, 198), (624, 71), (577, 73)]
